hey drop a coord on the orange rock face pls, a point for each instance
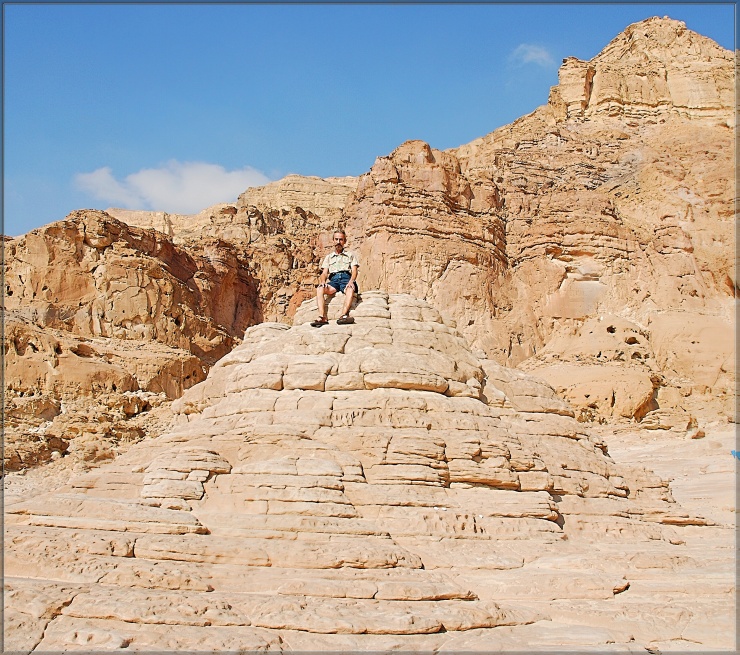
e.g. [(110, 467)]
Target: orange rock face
[(92, 275), (96, 309), (614, 199)]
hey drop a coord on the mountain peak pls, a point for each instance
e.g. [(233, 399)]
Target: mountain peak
[(653, 67)]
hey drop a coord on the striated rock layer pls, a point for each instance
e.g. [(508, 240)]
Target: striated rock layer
[(373, 486), (589, 242), (100, 318), (615, 198)]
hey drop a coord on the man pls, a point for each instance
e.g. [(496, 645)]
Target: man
[(338, 273)]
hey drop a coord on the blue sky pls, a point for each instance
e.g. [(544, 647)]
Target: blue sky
[(175, 107)]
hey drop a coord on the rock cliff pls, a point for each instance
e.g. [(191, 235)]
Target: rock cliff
[(368, 487), (100, 315), (615, 202), (614, 199), (589, 242)]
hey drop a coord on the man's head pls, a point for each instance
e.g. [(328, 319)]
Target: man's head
[(340, 238)]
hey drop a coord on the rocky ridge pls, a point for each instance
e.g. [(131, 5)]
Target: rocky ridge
[(580, 211), (608, 208), (104, 321), (613, 199), (375, 486)]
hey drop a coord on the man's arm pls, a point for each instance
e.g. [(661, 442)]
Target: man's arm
[(323, 277), (354, 267)]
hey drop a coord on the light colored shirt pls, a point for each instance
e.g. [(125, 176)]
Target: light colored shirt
[(343, 261)]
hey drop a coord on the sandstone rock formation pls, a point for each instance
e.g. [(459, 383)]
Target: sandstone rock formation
[(282, 228), (87, 397), (613, 199), (589, 243), (321, 197), (94, 276), (145, 305), (617, 204), (653, 67), (373, 487), (325, 197), (471, 467), (95, 309)]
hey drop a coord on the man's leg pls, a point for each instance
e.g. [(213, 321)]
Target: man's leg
[(349, 294), (321, 300)]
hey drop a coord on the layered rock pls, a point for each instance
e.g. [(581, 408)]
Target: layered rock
[(243, 221), (568, 216), (424, 229), (383, 485), (612, 203), (325, 197), (88, 398), (613, 199), (95, 309), (173, 225), (94, 276), (283, 228), (654, 67), (374, 486)]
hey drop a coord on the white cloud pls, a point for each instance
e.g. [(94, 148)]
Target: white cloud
[(527, 53), (177, 187)]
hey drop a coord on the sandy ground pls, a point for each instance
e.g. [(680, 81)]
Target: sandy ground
[(702, 472)]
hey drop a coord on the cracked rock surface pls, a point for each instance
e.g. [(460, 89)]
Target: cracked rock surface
[(284, 510)]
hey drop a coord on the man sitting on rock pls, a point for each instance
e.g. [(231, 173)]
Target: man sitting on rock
[(340, 269)]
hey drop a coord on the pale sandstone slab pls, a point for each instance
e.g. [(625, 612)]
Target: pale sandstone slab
[(84, 511), (84, 634), (29, 607), (403, 515), (148, 606)]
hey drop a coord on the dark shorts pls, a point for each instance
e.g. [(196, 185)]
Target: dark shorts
[(339, 280)]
